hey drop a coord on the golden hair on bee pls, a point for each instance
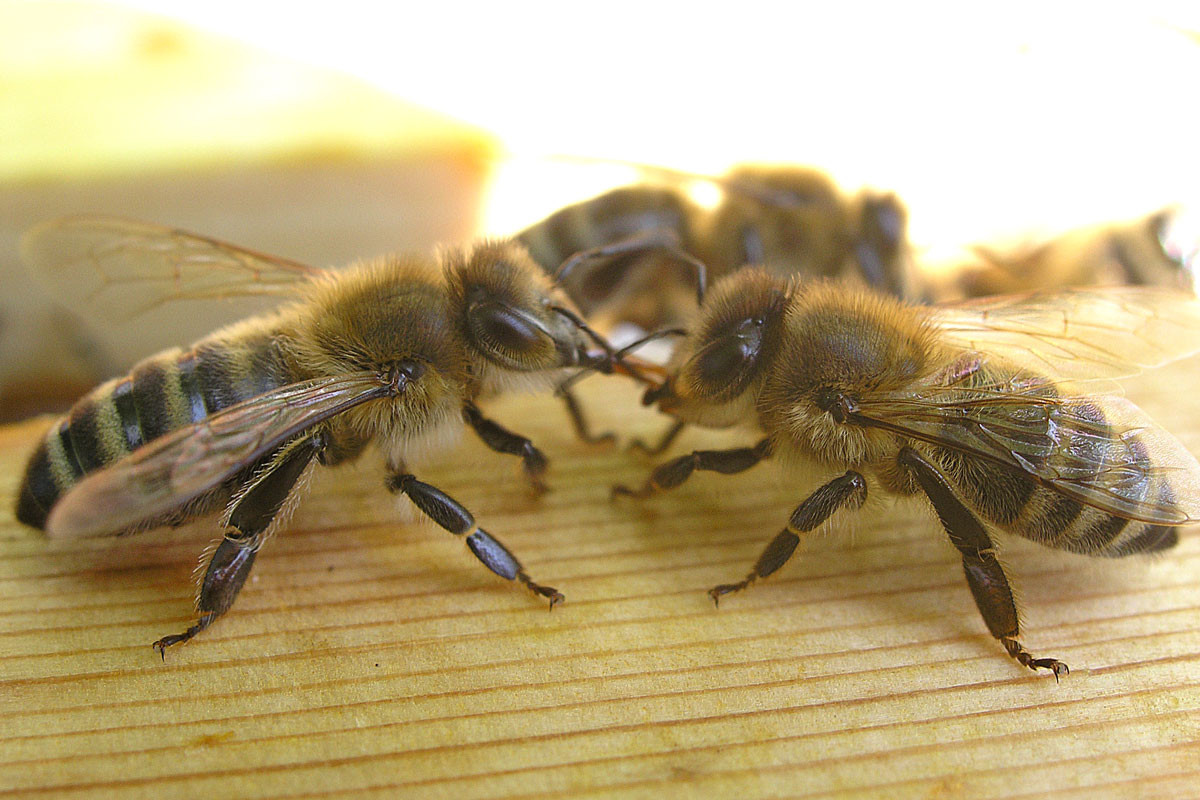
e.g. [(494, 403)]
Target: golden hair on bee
[(835, 343), (976, 407), (393, 352)]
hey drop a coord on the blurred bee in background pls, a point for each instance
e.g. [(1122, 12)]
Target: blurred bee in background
[(631, 242), (392, 352), (1157, 250), (981, 408)]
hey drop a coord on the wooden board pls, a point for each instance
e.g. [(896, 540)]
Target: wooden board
[(370, 656)]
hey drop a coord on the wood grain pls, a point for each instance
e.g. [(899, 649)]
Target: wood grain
[(370, 656)]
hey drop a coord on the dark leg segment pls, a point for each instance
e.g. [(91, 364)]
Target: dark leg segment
[(677, 470), (505, 441), (848, 490), (226, 573), (985, 576), (661, 241), (579, 421), (660, 447), (249, 520), (452, 516)]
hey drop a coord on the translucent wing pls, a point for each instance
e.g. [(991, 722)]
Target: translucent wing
[(179, 466), (1103, 451), (116, 268), (1077, 334)]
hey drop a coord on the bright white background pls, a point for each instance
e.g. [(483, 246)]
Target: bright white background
[(986, 118)]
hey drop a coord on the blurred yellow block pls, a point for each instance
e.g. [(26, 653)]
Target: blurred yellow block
[(107, 110)]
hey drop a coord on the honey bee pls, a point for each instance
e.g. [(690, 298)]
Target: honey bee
[(981, 407), (1156, 250), (393, 352), (791, 220)]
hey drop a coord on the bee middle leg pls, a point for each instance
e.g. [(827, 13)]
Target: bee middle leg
[(674, 472), (989, 585), (503, 440), (452, 516), (847, 490), (250, 516)]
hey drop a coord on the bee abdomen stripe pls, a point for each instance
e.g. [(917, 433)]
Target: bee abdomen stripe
[(69, 459), (122, 397), (1053, 522), (158, 403), (39, 490), (96, 431), (1146, 539), (1094, 532), (190, 388), (230, 373)]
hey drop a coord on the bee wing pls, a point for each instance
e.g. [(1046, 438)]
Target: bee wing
[(1077, 334), (118, 268), (175, 468), (1102, 451)]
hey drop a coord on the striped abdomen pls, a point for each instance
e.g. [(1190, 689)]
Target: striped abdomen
[(162, 393), (1017, 502)]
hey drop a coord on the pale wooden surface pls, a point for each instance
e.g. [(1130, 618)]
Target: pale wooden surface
[(373, 657)]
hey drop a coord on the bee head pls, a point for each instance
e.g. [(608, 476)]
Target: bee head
[(713, 372), (513, 317)]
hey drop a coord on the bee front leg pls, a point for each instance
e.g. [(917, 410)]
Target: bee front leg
[(677, 470), (985, 576), (579, 421), (659, 447), (503, 440), (454, 517), (251, 513), (848, 490)]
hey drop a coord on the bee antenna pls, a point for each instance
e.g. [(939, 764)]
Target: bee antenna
[(578, 322), (617, 357), (666, 242)]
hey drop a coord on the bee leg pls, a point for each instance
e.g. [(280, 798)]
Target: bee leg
[(985, 576), (661, 240), (505, 441), (579, 421), (453, 517), (848, 490), (677, 470), (670, 436), (253, 510), (227, 571)]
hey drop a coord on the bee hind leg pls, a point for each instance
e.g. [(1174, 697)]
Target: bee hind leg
[(848, 490), (253, 510), (226, 573), (986, 578), (452, 516)]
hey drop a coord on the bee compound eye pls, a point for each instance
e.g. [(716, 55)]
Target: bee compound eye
[(502, 330), (723, 360)]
